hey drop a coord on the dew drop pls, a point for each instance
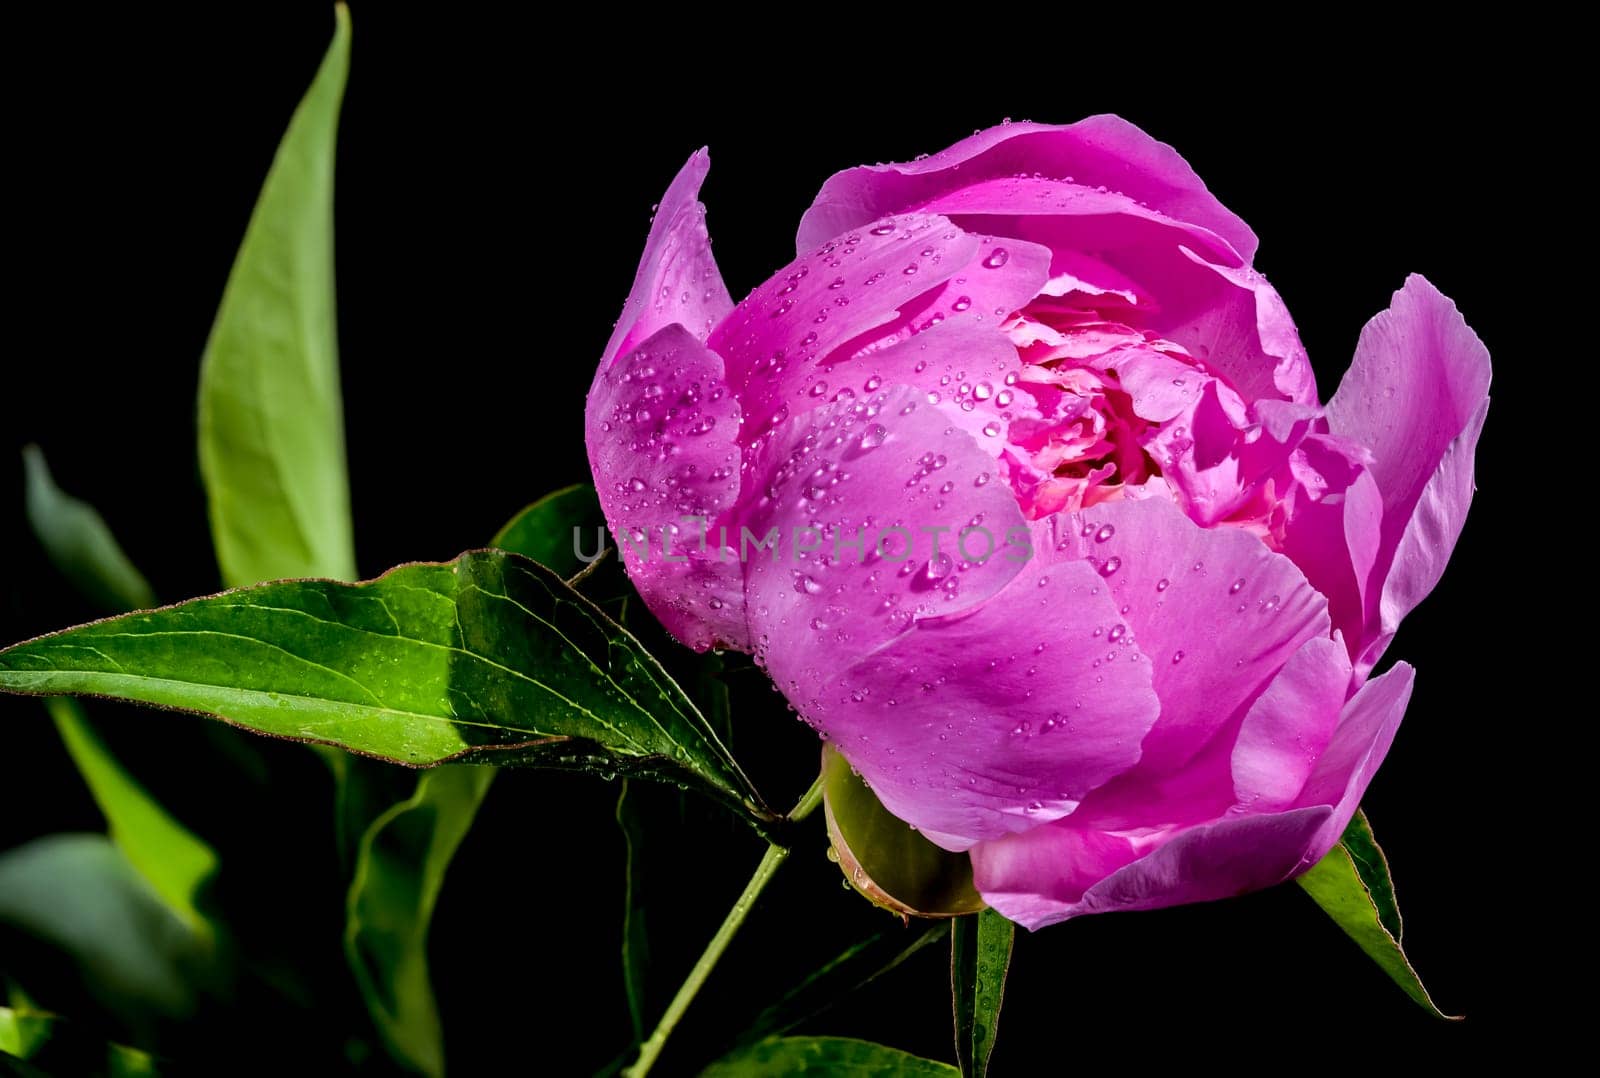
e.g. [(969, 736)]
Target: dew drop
[(1111, 565), (875, 436), (991, 429), (997, 258), (1233, 589), (1106, 532), (1163, 584)]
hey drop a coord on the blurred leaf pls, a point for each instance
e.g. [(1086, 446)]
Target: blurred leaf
[(271, 422), (980, 958), (490, 658), (21, 1032), (883, 858), (174, 862), (46, 1040), (1352, 886), (784, 1056), (635, 936), (851, 970), (78, 542), (399, 872), (544, 531), (78, 894)]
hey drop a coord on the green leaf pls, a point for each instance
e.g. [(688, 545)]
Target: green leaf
[(22, 1032), (490, 658), (1352, 886), (78, 894), (850, 971), (545, 530), (271, 422), (784, 1056), (78, 542), (50, 1041), (980, 958), (884, 859), (172, 860), (391, 903)]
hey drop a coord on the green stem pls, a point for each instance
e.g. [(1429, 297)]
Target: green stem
[(770, 861)]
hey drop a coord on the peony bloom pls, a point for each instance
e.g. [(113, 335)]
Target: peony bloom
[(1017, 482)]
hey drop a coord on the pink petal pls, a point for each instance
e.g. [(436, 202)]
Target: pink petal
[(1027, 196), (678, 280), (1099, 151), (936, 667), (1334, 525), (659, 425), (1018, 684), (1289, 726), (1267, 360), (1034, 879), (1416, 395), (855, 467), (1071, 867), (815, 326), (1216, 612)]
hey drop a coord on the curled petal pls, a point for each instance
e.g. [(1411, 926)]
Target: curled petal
[(1099, 151), (1416, 396), (1071, 867), (660, 427), (678, 280)]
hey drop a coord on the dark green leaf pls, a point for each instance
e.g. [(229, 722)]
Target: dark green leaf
[(885, 859), (851, 970), (172, 860), (635, 937), (1352, 886), (78, 542), (271, 421), (980, 958), (548, 530), (78, 894), (490, 658), (784, 1056), (399, 872)]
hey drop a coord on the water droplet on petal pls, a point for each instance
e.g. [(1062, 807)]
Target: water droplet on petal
[(1233, 589), (875, 436), (997, 258)]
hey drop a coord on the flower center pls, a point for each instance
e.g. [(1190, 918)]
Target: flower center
[(1105, 395)]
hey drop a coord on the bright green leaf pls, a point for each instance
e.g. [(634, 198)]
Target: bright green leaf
[(79, 544), (784, 1056), (1352, 886), (174, 862), (980, 958), (271, 422), (391, 902), (490, 658), (545, 530), (79, 894), (50, 1041), (22, 1032), (884, 859), (849, 971)]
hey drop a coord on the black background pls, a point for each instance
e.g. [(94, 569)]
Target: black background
[(494, 189)]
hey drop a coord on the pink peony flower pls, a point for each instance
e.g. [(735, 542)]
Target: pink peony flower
[(1017, 483)]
